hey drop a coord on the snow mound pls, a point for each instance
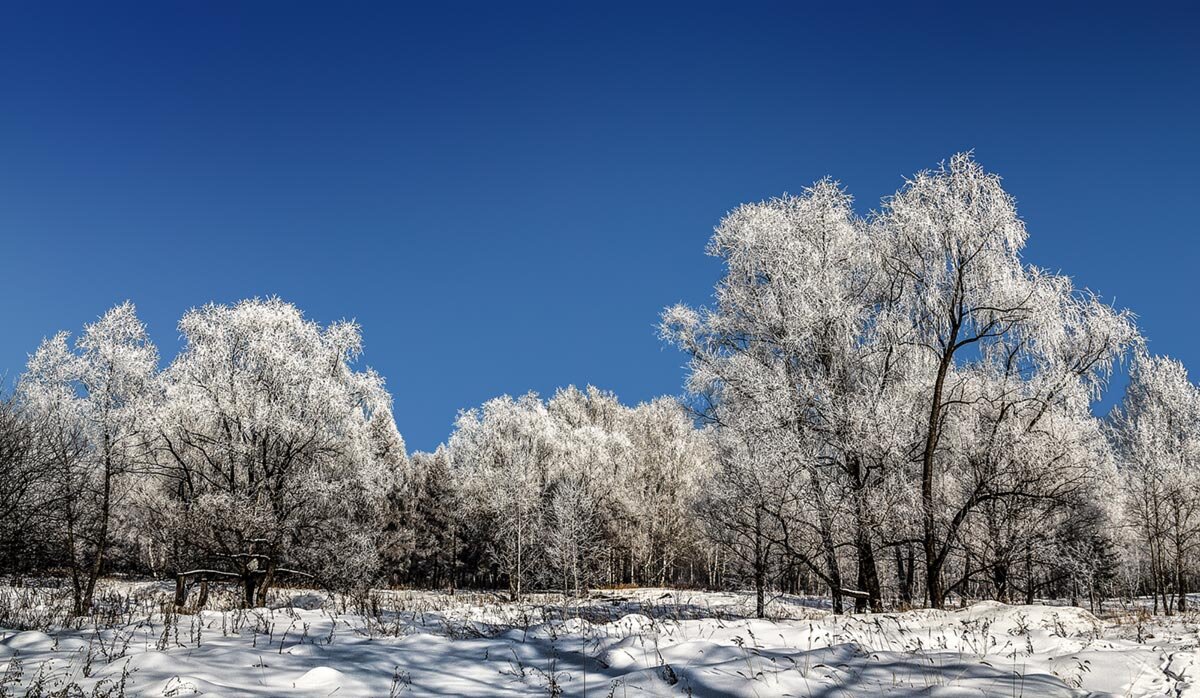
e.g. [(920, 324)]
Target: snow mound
[(320, 677), (29, 640), (1063, 621)]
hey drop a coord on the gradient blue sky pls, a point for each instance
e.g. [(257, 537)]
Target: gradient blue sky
[(505, 197)]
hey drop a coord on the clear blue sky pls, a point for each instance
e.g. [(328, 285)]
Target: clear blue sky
[(505, 197)]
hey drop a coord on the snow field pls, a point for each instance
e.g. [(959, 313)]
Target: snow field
[(637, 643)]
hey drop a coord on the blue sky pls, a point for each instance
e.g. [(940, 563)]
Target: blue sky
[(505, 197)]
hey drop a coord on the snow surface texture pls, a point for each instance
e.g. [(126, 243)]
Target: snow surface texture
[(635, 643)]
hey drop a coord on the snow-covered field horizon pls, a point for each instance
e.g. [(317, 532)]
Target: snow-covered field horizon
[(633, 642)]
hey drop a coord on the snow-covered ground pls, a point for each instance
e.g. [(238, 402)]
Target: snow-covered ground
[(647, 642)]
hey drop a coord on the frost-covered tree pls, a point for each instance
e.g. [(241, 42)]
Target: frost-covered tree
[(573, 535), (596, 461), (92, 401), (502, 456), (274, 454), (672, 464), (1156, 431), (847, 349), (580, 488), (644, 467), (967, 303), (793, 359)]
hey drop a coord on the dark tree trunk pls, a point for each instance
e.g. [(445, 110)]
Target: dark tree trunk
[(267, 581), (929, 540), (760, 566), (1180, 587), (904, 574), (933, 584), (829, 549), (1000, 580), (868, 573), (1030, 587), (868, 577), (97, 563), (250, 586)]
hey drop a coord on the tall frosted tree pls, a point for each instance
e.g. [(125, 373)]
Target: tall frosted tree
[(274, 452), (1156, 431), (845, 347), (93, 402), (966, 303), (794, 358), (593, 475)]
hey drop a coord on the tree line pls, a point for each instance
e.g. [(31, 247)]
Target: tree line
[(887, 409)]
